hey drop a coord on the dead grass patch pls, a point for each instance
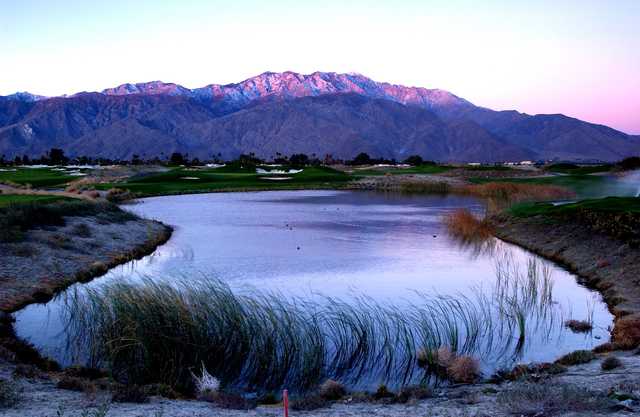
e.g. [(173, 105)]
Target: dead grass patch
[(579, 326), (515, 193), (626, 332), (463, 225)]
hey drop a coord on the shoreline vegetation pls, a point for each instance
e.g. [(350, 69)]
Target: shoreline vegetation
[(554, 232)]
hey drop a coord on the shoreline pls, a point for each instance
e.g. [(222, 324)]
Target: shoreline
[(600, 262), (481, 396), (45, 287)]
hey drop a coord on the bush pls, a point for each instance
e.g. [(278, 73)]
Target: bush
[(84, 372), (130, 394), (9, 395), (610, 363), (626, 332), (576, 358), (463, 225), (118, 195), (464, 369), (76, 384), (332, 390), (383, 393)]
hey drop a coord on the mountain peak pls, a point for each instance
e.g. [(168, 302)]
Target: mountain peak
[(25, 96)]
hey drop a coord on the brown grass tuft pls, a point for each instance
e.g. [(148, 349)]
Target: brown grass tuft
[(579, 326), (626, 332), (463, 225), (331, 390), (507, 193), (464, 369)]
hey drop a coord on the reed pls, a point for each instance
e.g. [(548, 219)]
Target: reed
[(159, 332)]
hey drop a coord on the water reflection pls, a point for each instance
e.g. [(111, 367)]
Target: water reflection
[(391, 249)]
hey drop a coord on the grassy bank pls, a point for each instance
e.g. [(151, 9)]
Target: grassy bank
[(36, 177), (230, 178)]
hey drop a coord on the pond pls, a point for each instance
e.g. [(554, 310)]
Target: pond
[(391, 249)]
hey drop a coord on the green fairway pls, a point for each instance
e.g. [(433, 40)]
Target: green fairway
[(579, 170), (608, 205), (7, 199), (185, 180), (37, 177), (420, 169)]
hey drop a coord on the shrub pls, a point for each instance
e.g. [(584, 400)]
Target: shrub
[(610, 362), (463, 225), (268, 398), (464, 369), (76, 384), (118, 195), (579, 326), (331, 390), (626, 332), (576, 358), (383, 393), (84, 372), (26, 371), (130, 394), (9, 395)]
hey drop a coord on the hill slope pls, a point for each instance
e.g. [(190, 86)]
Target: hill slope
[(321, 113)]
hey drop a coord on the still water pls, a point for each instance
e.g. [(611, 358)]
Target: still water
[(389, 248)]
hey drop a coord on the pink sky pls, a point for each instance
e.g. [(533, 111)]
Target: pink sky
[(577, 57)]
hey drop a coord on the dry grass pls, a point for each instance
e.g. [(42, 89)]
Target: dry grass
[(579, 326), (626, 333), (576, 358), (464, 369), (514, 193), (463, 225), (425, 187), (332, 390), (71, 383)]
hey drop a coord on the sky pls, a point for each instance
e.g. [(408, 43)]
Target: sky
[(577, 57)]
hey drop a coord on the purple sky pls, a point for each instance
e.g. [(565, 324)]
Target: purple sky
[(577, 57)]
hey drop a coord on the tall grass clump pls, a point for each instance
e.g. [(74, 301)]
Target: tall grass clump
[(464, 226), (159, 332)]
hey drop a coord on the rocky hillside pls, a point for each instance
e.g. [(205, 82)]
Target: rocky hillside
[(321, 113)]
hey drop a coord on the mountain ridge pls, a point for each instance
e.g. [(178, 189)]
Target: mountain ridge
[(214, 119)]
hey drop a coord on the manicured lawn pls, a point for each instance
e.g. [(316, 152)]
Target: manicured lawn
[(183, 180), (7, 199), (421, 169), (607, 205), (579, 170), (37, 177)]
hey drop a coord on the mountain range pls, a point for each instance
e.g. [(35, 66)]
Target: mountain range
[(320, 113)]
